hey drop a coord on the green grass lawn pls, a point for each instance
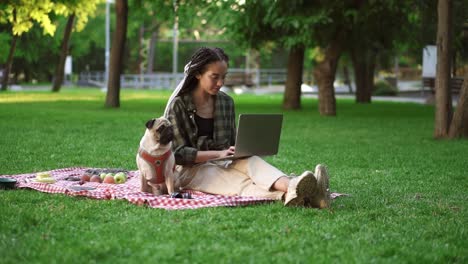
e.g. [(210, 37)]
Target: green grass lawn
[(408, 191)]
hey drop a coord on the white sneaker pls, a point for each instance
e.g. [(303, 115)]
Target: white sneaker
[(300, 189), (321, 198)]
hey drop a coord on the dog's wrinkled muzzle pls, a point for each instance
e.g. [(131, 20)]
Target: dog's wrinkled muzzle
[(166, 134)]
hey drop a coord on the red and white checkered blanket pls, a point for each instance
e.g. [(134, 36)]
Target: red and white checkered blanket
[(130, 190)]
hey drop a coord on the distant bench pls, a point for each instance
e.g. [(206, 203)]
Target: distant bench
[(238, 78), (455, 84)]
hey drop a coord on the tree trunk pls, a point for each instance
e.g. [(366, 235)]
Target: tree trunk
[(292, 92), (141, 50), (454, 63), (324, 74), (16, 73), (347, 80), (364, 66), (9, 62), (59, 70), (152, 50), (443, 100), (117, 52), (459, 126)]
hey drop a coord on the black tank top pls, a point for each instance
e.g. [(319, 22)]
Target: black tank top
[(205, 126)]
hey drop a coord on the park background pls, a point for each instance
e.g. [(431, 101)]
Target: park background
[(374, 47), (408, 191)]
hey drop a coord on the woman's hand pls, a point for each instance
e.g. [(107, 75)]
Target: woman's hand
[(204, 155), (227, 152)]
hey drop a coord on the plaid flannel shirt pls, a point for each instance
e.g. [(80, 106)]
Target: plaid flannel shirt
[(186, 141)]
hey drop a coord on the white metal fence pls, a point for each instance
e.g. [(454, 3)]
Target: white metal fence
[(167, 80)]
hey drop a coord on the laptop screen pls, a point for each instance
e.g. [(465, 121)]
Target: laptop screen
[(258, 134)]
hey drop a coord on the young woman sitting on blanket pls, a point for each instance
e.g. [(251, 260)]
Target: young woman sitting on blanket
[(203, 119)]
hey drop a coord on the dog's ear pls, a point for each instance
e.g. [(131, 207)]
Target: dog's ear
[(150, 123)]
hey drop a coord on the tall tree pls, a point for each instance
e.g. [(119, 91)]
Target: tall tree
[(82, 9), (161, 13), (459, 125), (364, 59), (21, 15), (59, 69), (284, 23), (443, 99), (361, 48), (6, 71), (117, 52), (298, 23), (330, 37), (324, 74), (292, 91), (148, 18), (376, 29), (290, 20), (274, 23)]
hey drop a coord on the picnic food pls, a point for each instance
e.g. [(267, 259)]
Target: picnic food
[(44, 177), (41, 175), (85, 177), (120, 177), (109, 179), (99, 171), (95, 178)]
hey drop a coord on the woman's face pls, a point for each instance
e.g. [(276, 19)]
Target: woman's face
[(212, 79)]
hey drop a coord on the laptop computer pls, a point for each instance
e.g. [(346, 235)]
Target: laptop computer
[(257, 135)]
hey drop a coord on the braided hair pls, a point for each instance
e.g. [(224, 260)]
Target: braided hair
[(198, 63)]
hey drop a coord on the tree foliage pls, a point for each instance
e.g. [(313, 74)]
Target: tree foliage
[(72, 9), (296, 24), (82, 9), (22, 14)]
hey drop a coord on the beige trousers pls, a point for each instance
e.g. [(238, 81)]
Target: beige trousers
[(243, 177)]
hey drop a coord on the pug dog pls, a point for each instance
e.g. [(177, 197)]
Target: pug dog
[(155, 159)]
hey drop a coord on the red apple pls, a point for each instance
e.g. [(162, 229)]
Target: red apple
[(85, 177), (109, 179), (95, 178)]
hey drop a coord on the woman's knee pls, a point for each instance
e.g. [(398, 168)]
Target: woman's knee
[(255, 160)]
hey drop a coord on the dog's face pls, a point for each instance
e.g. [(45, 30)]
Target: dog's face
[(161, 130)]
